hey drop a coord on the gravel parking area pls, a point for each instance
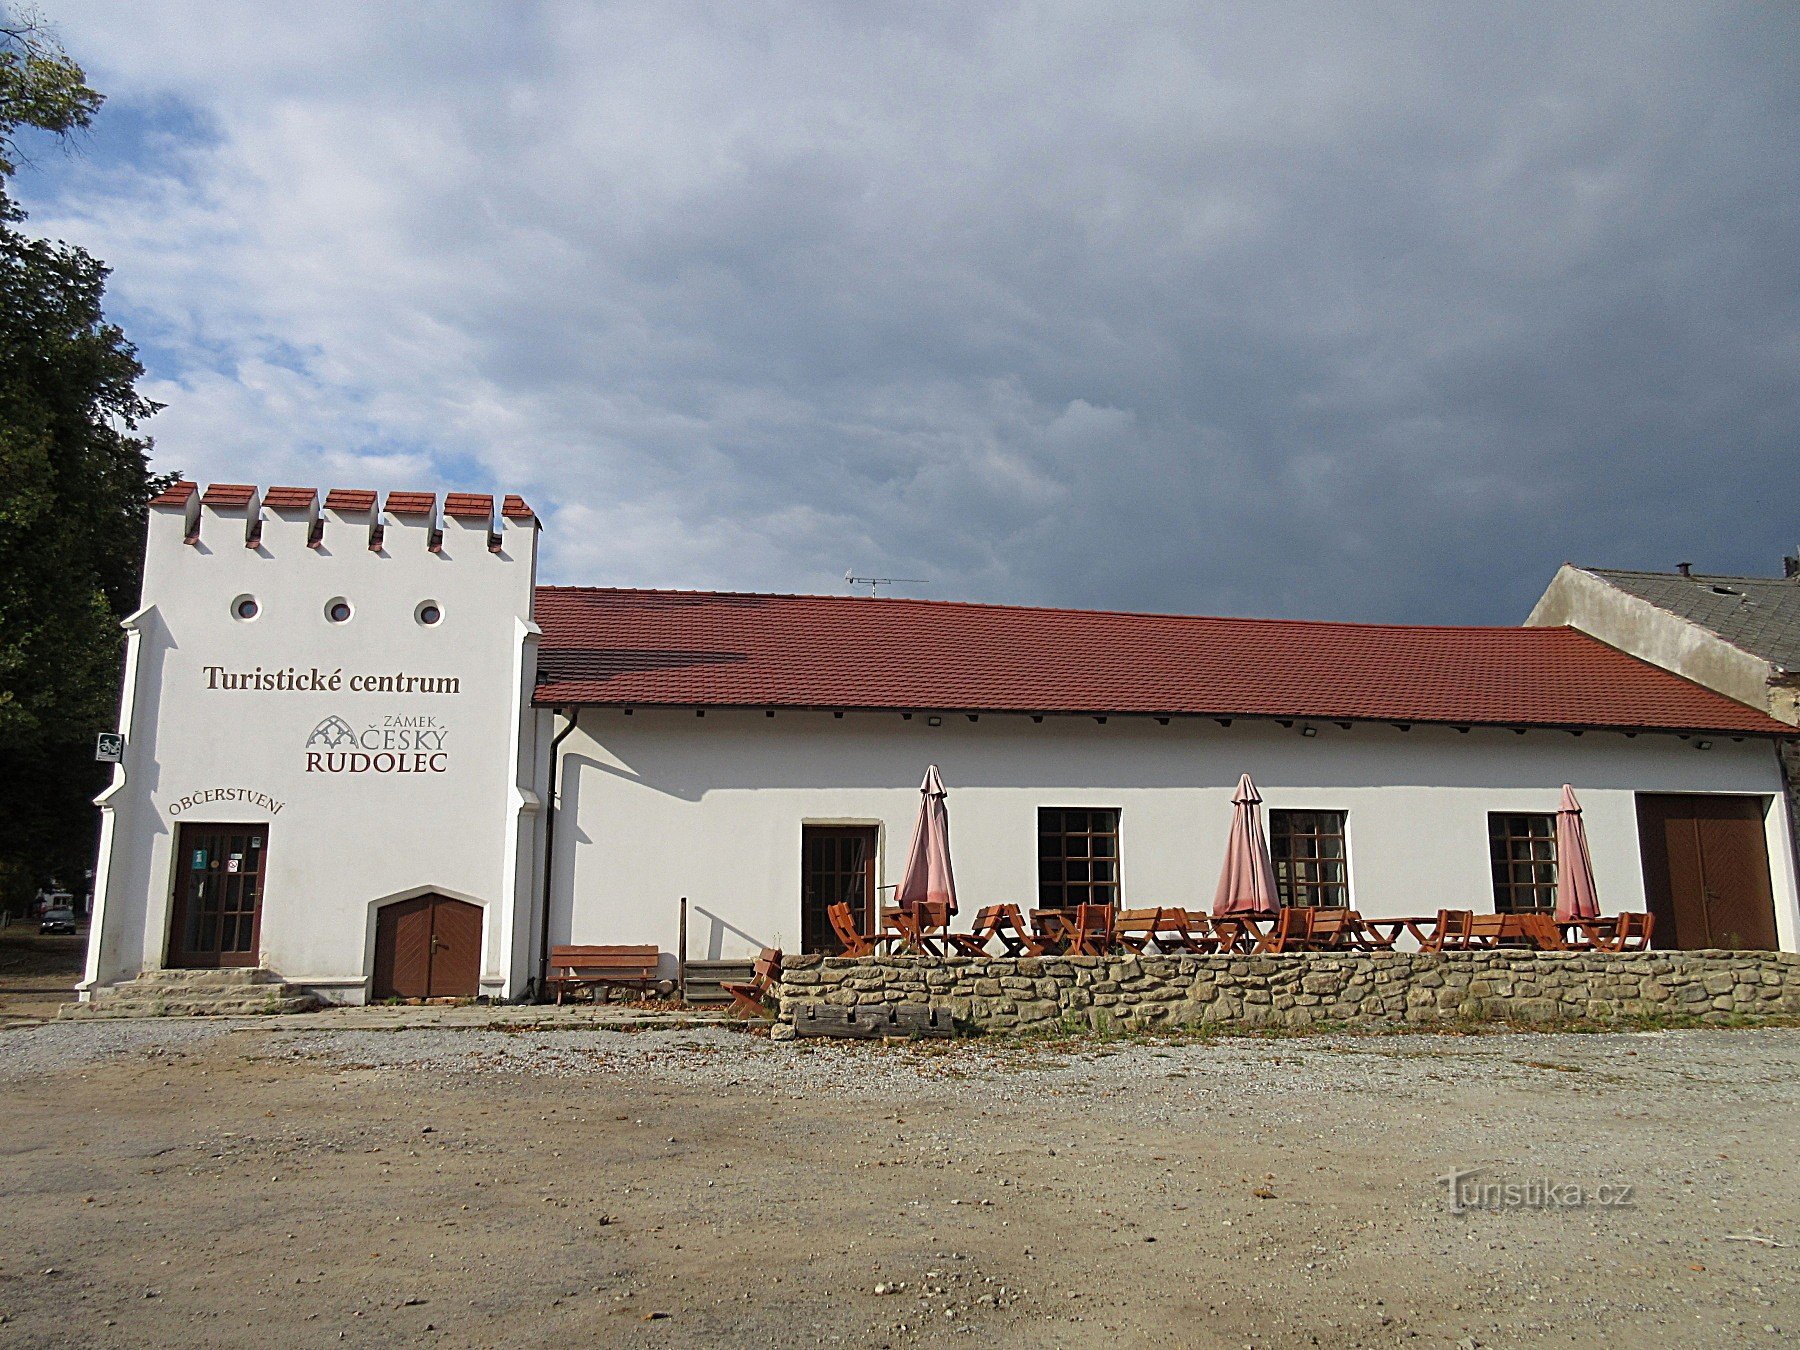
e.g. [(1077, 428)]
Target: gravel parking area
[(208, 1183)]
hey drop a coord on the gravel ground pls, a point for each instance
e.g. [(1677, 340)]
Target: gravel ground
[(27, 1053), (236, 1183)]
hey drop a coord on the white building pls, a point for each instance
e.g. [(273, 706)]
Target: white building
[(342, 725)]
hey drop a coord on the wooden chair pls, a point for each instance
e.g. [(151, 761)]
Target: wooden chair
[(843, 923), (1092, 931), (1331, 929), (1182, 930), (1365, 937), (752, 999), (1291, 933), (1179, 931), (1541, 930), (1012, 932), (1454, 932), (1135, 929), (573, 969), (986, 929), (1629, 933)]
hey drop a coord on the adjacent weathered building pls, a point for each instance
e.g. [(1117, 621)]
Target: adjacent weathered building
[(1737, 635)]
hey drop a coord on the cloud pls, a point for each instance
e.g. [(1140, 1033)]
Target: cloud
[(1283, 310)]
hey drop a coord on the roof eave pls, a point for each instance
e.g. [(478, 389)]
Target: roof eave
[(545, 698)]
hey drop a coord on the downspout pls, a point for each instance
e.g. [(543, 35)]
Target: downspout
[(573, 717)]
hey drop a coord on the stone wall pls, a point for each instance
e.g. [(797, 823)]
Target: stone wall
[(1364, 989)]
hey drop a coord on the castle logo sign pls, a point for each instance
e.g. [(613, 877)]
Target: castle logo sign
[(392, 744)]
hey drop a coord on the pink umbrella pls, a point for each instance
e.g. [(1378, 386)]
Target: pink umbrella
[(1247, 881), (1577, 898), (927, 875)]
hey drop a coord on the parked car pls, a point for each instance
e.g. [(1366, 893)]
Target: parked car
[(57, 919)]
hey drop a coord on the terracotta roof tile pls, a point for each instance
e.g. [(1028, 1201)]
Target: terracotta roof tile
[(469, 505), (606, 646), (411, 503), (176, 494), (290, 498), (228, 494), (350, 499), (514, 508)]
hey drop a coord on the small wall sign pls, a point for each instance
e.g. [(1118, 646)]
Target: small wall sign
[(109, 747)]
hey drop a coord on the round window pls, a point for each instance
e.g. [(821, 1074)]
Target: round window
[(428, 612), (338, 610), (245, 607)]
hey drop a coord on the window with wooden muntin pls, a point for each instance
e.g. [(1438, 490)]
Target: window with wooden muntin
[(1311, 867), (1078, 856), (1522, 850)]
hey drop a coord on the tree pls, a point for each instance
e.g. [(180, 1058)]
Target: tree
[(74, 483)]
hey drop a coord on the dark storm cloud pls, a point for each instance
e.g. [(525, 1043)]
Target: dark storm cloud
[(1317, 310)]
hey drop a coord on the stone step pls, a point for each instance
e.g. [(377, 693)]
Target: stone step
[(235, 977), (239, 992), (243, 1005)]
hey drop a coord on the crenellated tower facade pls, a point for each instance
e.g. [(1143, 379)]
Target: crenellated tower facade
[(330, 750)]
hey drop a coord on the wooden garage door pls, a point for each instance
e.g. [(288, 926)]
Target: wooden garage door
[(427, 947), (1706, 871)]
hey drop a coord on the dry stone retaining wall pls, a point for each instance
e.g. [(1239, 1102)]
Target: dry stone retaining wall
[(1369, 989)]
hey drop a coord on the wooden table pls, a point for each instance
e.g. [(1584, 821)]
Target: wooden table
[(1241, 932), (1580, 934), (1423, 928), (920, 929)]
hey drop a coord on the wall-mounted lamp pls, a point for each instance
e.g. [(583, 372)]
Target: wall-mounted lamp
[(1702, 745), (1309, 731), (934, 721)]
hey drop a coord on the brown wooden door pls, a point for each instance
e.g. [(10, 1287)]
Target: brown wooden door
[(218, 896), (837, 865), (427, 947), (1706, 871)]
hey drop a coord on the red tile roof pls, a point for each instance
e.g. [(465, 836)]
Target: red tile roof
[(514, 508), (411, 503), (350, 499), (289, 498), (176, 494), (228, 494), (469, 506), (633, 647)]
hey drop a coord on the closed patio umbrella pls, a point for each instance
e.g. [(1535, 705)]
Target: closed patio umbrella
[(1247, 881), (1577, 898), (927, 875)]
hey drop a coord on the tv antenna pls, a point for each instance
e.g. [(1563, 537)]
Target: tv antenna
[(851, 579)]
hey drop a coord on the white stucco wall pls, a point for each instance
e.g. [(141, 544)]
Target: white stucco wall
[(339, 843), (662, 804)]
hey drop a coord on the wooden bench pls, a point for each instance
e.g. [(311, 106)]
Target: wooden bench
[(753, 998), (573, 969)]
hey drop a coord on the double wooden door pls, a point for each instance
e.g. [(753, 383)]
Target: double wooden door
[(218, 896), (1706, 871), (837, 866), (427, 947)]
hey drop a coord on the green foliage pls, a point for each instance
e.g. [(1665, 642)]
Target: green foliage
[(74, 481)]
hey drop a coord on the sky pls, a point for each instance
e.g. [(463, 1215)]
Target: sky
[(1373, 311)]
